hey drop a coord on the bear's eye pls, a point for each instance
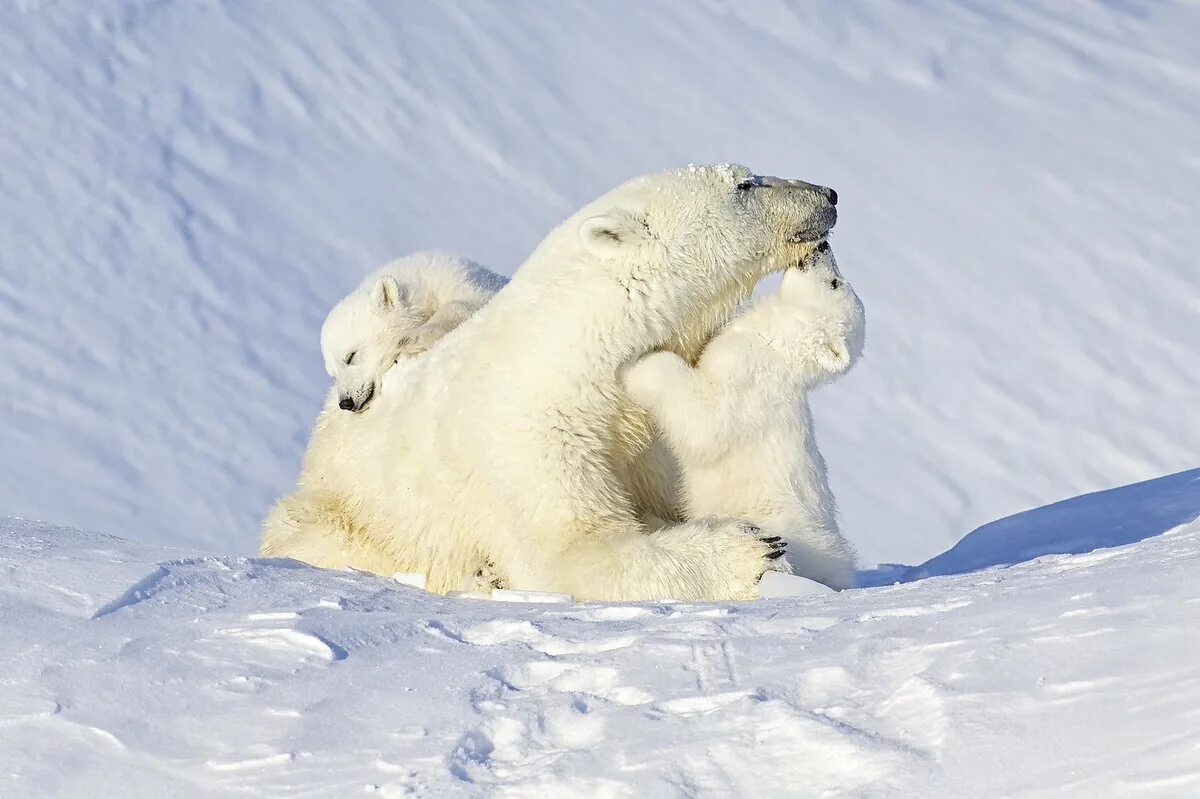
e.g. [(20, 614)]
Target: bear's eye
[(747, 184), (350, 358), (833, 284)]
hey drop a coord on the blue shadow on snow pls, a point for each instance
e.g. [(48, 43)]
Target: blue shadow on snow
[(1081, 524)]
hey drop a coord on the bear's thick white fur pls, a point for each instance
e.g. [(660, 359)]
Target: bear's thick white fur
[(511, 442), (740, 422), (398, 311)]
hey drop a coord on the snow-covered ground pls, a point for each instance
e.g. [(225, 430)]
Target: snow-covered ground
[(133, 670), (186, 187)]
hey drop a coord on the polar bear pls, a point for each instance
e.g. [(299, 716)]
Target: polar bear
[(512, 443), (740, 421), (399, 310)]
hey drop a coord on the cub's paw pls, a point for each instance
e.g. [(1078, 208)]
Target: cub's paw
[(648, 378)]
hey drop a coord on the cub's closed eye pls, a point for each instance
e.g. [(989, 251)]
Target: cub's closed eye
[(349, 359), (835, 283)]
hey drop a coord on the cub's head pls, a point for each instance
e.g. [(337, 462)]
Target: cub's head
[(826, 319), (362, 337)]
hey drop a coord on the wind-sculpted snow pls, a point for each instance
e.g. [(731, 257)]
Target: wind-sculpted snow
[(148, 672), (186, 188), (1104, 519)]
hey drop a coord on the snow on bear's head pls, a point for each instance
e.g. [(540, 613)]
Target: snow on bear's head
[(687, 244), (824, 321), (362, 337)]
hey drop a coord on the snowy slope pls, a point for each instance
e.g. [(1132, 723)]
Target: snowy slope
[(131, 670), (185, 187)]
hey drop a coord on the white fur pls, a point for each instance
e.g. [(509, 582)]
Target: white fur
[(740, 421), (511, 441), (398, 311)]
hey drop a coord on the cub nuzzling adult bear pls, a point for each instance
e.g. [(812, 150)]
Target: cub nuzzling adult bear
[(740, 421)]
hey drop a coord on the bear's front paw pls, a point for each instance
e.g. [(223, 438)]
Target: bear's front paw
[(734, 555), (776, 549), (647, 379), (772, 549)]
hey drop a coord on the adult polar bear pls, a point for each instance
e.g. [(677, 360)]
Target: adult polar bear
[(511, 442)]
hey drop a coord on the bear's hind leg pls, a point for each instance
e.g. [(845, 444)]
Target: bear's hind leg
[(313, 527)]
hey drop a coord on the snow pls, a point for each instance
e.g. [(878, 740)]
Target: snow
[(185, 190), (1104, 519), (188, 187), (413, 579), (545, 597), (777, 585), (169, 673)]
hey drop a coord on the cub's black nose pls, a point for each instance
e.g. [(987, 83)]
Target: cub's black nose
[(832, 195), (823, 246), (346, 404)]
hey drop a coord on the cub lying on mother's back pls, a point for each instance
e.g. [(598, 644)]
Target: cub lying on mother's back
[(398, 311), (740, 421)]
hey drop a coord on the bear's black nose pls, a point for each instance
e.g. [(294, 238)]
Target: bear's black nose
[(823, 246), (832, 195), (346, 404)]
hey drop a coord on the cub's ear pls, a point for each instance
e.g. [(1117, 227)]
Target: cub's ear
[(609, 233), (387, 292), (833, 355)]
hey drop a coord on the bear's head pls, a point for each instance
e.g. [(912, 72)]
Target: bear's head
[(688, 244), (823, 319), (363, 336)]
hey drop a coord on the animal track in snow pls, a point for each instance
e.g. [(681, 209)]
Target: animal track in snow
[(565, 677), (887, 694)]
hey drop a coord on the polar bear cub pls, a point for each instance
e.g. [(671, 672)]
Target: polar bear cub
[(740, 421), (400, 310)]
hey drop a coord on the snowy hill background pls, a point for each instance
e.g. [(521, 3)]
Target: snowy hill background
[(186, 187)]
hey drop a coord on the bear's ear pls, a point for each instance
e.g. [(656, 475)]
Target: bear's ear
[(387, 292), (609, 233), (834, 355)]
